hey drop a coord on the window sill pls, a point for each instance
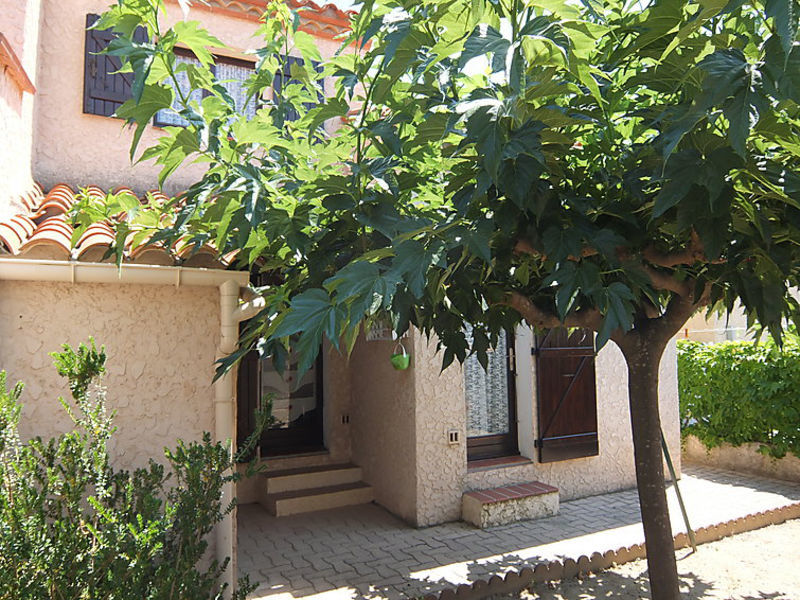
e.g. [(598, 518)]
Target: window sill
[(487, 464)]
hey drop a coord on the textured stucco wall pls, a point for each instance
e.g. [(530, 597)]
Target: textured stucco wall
[(79, 149), (19, 23), (382, 425), (744, 459), (440, 406), (161, 344), (442, 473)]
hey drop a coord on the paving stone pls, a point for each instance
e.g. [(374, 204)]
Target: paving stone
[(366, 548)]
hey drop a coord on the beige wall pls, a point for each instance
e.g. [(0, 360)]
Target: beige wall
[(716, 328), (743, 459), (19, 23), (440, 407), (442, 474), (382, 425), (79, 149), (161, 344)]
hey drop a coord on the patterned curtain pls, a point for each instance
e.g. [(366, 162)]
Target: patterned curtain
[(487, 392)]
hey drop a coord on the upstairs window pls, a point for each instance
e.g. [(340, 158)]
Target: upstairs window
[(104, 89), (232, 73)]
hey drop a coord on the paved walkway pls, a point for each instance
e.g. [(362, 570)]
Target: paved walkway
[(365, 552)]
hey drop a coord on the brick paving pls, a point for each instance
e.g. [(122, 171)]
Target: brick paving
[(365, 552)]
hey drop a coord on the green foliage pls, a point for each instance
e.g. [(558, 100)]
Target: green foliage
[(740, 392), (619, 145), (74, 527)]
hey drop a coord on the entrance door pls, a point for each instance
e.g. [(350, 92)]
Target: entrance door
[(296, 424)]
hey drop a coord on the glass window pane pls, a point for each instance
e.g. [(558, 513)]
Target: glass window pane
[(487, 392), (293, 401), (233, 78), (169, 117)]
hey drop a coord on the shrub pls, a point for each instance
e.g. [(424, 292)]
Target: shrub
[(739, 392), (74, 527)]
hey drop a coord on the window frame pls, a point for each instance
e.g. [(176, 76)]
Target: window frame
[(499, 445)]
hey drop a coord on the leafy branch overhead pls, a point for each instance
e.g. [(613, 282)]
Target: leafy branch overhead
[(598, 165)]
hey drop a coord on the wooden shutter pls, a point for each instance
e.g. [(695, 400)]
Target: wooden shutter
[(567, 400), (104, 90)]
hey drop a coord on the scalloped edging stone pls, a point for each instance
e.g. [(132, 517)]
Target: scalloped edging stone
[(515, 581)]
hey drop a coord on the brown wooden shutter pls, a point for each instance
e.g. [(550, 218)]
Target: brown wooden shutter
[(104, 90), (567, 400)]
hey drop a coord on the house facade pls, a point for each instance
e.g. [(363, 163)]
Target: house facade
[(549, 409)]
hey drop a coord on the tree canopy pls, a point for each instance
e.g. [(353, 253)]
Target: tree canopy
[(494, 160), (604, 164)]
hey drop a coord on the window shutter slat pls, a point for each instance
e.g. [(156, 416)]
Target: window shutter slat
[(104, 90), (567, 398)]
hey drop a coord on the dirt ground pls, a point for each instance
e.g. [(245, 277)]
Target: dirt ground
[(757, 565)]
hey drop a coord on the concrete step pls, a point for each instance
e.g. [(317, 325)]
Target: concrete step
[(291, 480), (322, 498), (507, 504)]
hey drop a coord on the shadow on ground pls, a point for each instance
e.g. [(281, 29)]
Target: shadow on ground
[(617, 586)]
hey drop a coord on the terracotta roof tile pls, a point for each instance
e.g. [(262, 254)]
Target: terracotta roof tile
[(94, 242), (15, 231), (46, 232), (52, 239)]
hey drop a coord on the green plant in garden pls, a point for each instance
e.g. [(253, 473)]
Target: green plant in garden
[(605, 164), (74, 527), (741, 392)]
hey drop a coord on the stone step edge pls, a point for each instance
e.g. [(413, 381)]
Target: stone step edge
[(516, 581), (315, 470), (318, 491)]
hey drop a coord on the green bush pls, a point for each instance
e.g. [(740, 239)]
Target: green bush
[(74, 527), (739, 392)]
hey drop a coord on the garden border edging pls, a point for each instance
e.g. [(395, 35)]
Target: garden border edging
[(515, 581)]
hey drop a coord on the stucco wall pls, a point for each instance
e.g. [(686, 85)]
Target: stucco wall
[(79, 149), (440, 406), (161, 344), (745, 459), (716, 328), (442, 473), (382, 425), (19, 23)]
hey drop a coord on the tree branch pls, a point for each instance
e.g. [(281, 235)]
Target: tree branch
[(525, 247), (588, 318), (693, 253), (679, 309), (664, 281)]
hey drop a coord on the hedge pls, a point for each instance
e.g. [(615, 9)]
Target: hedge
[(740, 392)]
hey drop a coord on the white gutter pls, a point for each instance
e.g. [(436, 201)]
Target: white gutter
[(230, 284), (24, 269)]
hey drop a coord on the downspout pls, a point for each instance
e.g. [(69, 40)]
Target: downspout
[(231, 314), (224, 424)]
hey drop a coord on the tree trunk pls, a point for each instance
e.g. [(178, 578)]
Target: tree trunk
[(643, 359)]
